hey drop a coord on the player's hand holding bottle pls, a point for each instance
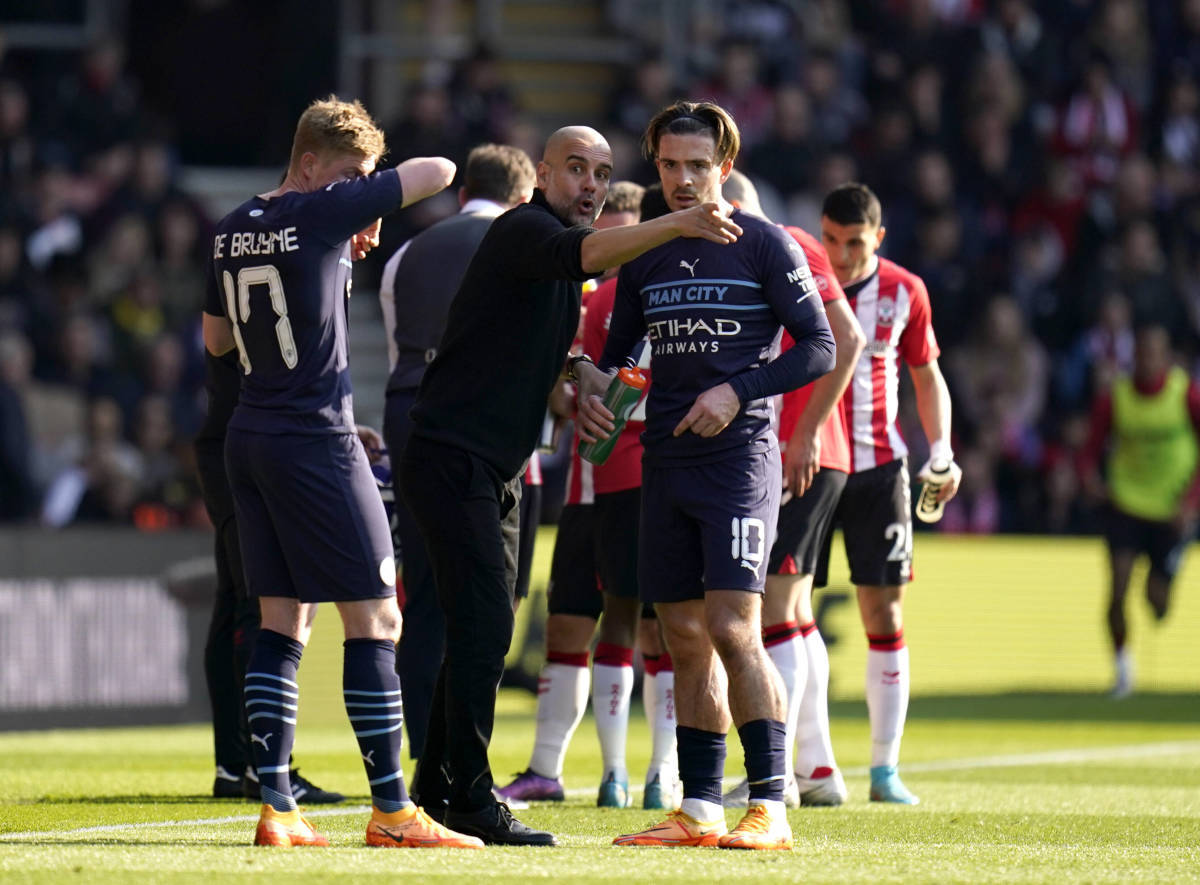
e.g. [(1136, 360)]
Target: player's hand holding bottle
[(939, 479)]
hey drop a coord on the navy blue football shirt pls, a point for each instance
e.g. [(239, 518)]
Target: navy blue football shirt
[(713, 314), (281, 272)]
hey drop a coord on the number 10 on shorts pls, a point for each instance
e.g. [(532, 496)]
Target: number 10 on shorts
[(749, 538)]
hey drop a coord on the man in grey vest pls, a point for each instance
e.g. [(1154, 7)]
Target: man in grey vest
[(418, 284)]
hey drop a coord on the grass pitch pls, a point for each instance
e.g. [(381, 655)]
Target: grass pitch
[(1026, 772)]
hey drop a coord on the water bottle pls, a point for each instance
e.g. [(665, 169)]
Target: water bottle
[(929, 508), (623, 393)]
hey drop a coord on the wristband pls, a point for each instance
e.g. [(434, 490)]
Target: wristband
[(940, 449)]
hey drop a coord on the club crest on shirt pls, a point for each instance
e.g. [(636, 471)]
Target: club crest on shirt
[(886, 312)]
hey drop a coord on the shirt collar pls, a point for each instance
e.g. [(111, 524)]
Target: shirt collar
[(480, 206)]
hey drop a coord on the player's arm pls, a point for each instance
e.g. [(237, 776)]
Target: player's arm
[(215, 326), (422, 177), (788, 287), (803, 456), (625, 329), (933, 408), (616, 245), (1189, 505), (351, 209), (218, 334)]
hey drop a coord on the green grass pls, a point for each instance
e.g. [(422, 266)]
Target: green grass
[(1026, 772)]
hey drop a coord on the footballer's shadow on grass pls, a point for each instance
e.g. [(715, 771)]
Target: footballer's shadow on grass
[(232, 805), (1049, 706)]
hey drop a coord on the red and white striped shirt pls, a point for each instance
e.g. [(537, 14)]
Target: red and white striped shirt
[(892, 306), (835, 447)]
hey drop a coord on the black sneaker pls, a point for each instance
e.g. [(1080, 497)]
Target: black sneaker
[(303, 790), (495, 825), (226, 785)]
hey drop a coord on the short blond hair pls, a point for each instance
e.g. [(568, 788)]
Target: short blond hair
[(330, 125)]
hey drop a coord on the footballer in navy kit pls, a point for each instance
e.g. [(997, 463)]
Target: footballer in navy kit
[(310, 520), (712, 475)]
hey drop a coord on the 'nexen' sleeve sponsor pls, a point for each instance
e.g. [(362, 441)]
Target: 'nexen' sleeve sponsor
[(344, 208), (627, 326), (788, 287)]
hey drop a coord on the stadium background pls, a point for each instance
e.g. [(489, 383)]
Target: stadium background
[(1039, 165)]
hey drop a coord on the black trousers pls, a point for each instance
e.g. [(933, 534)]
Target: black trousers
[(469, 518), (423, 637), (235, 618)]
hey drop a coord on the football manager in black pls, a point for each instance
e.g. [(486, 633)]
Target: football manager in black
[(476, 420)]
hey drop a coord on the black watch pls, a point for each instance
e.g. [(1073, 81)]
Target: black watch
[(573, 363)]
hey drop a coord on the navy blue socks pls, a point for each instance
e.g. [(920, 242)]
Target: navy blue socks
[(371, 690), (272, 699)]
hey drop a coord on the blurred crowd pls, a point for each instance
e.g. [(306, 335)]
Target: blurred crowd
[(1038, 163)]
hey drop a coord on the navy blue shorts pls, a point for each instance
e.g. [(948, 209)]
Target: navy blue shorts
[(707, 526), (309, 515)]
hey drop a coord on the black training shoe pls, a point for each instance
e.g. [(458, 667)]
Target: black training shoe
[(495, 825), (303, 790), (226, 785)]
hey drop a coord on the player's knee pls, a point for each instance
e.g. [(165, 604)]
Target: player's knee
[(731, 635)]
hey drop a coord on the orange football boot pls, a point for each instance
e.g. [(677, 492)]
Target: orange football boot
[(413, 828), (283, 829), (759, 831), (677, 831)]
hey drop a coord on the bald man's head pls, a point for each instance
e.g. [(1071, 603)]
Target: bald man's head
[(574, 173)]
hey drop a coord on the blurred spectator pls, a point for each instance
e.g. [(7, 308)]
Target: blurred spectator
[(738, 87), (96, 106), (428, 127), (647, 87), (17, 147), (1015, 29), (1179, 136), (102, 475), (18, 498), (1098, 124), (925, 92), (1103, 351), (482, 98), (976, 509), (1121, 32), (837, 108), (1000, 379), (786, 155)]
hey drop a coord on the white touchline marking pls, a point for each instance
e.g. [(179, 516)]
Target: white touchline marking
[(161, 824), (1050, 757)]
